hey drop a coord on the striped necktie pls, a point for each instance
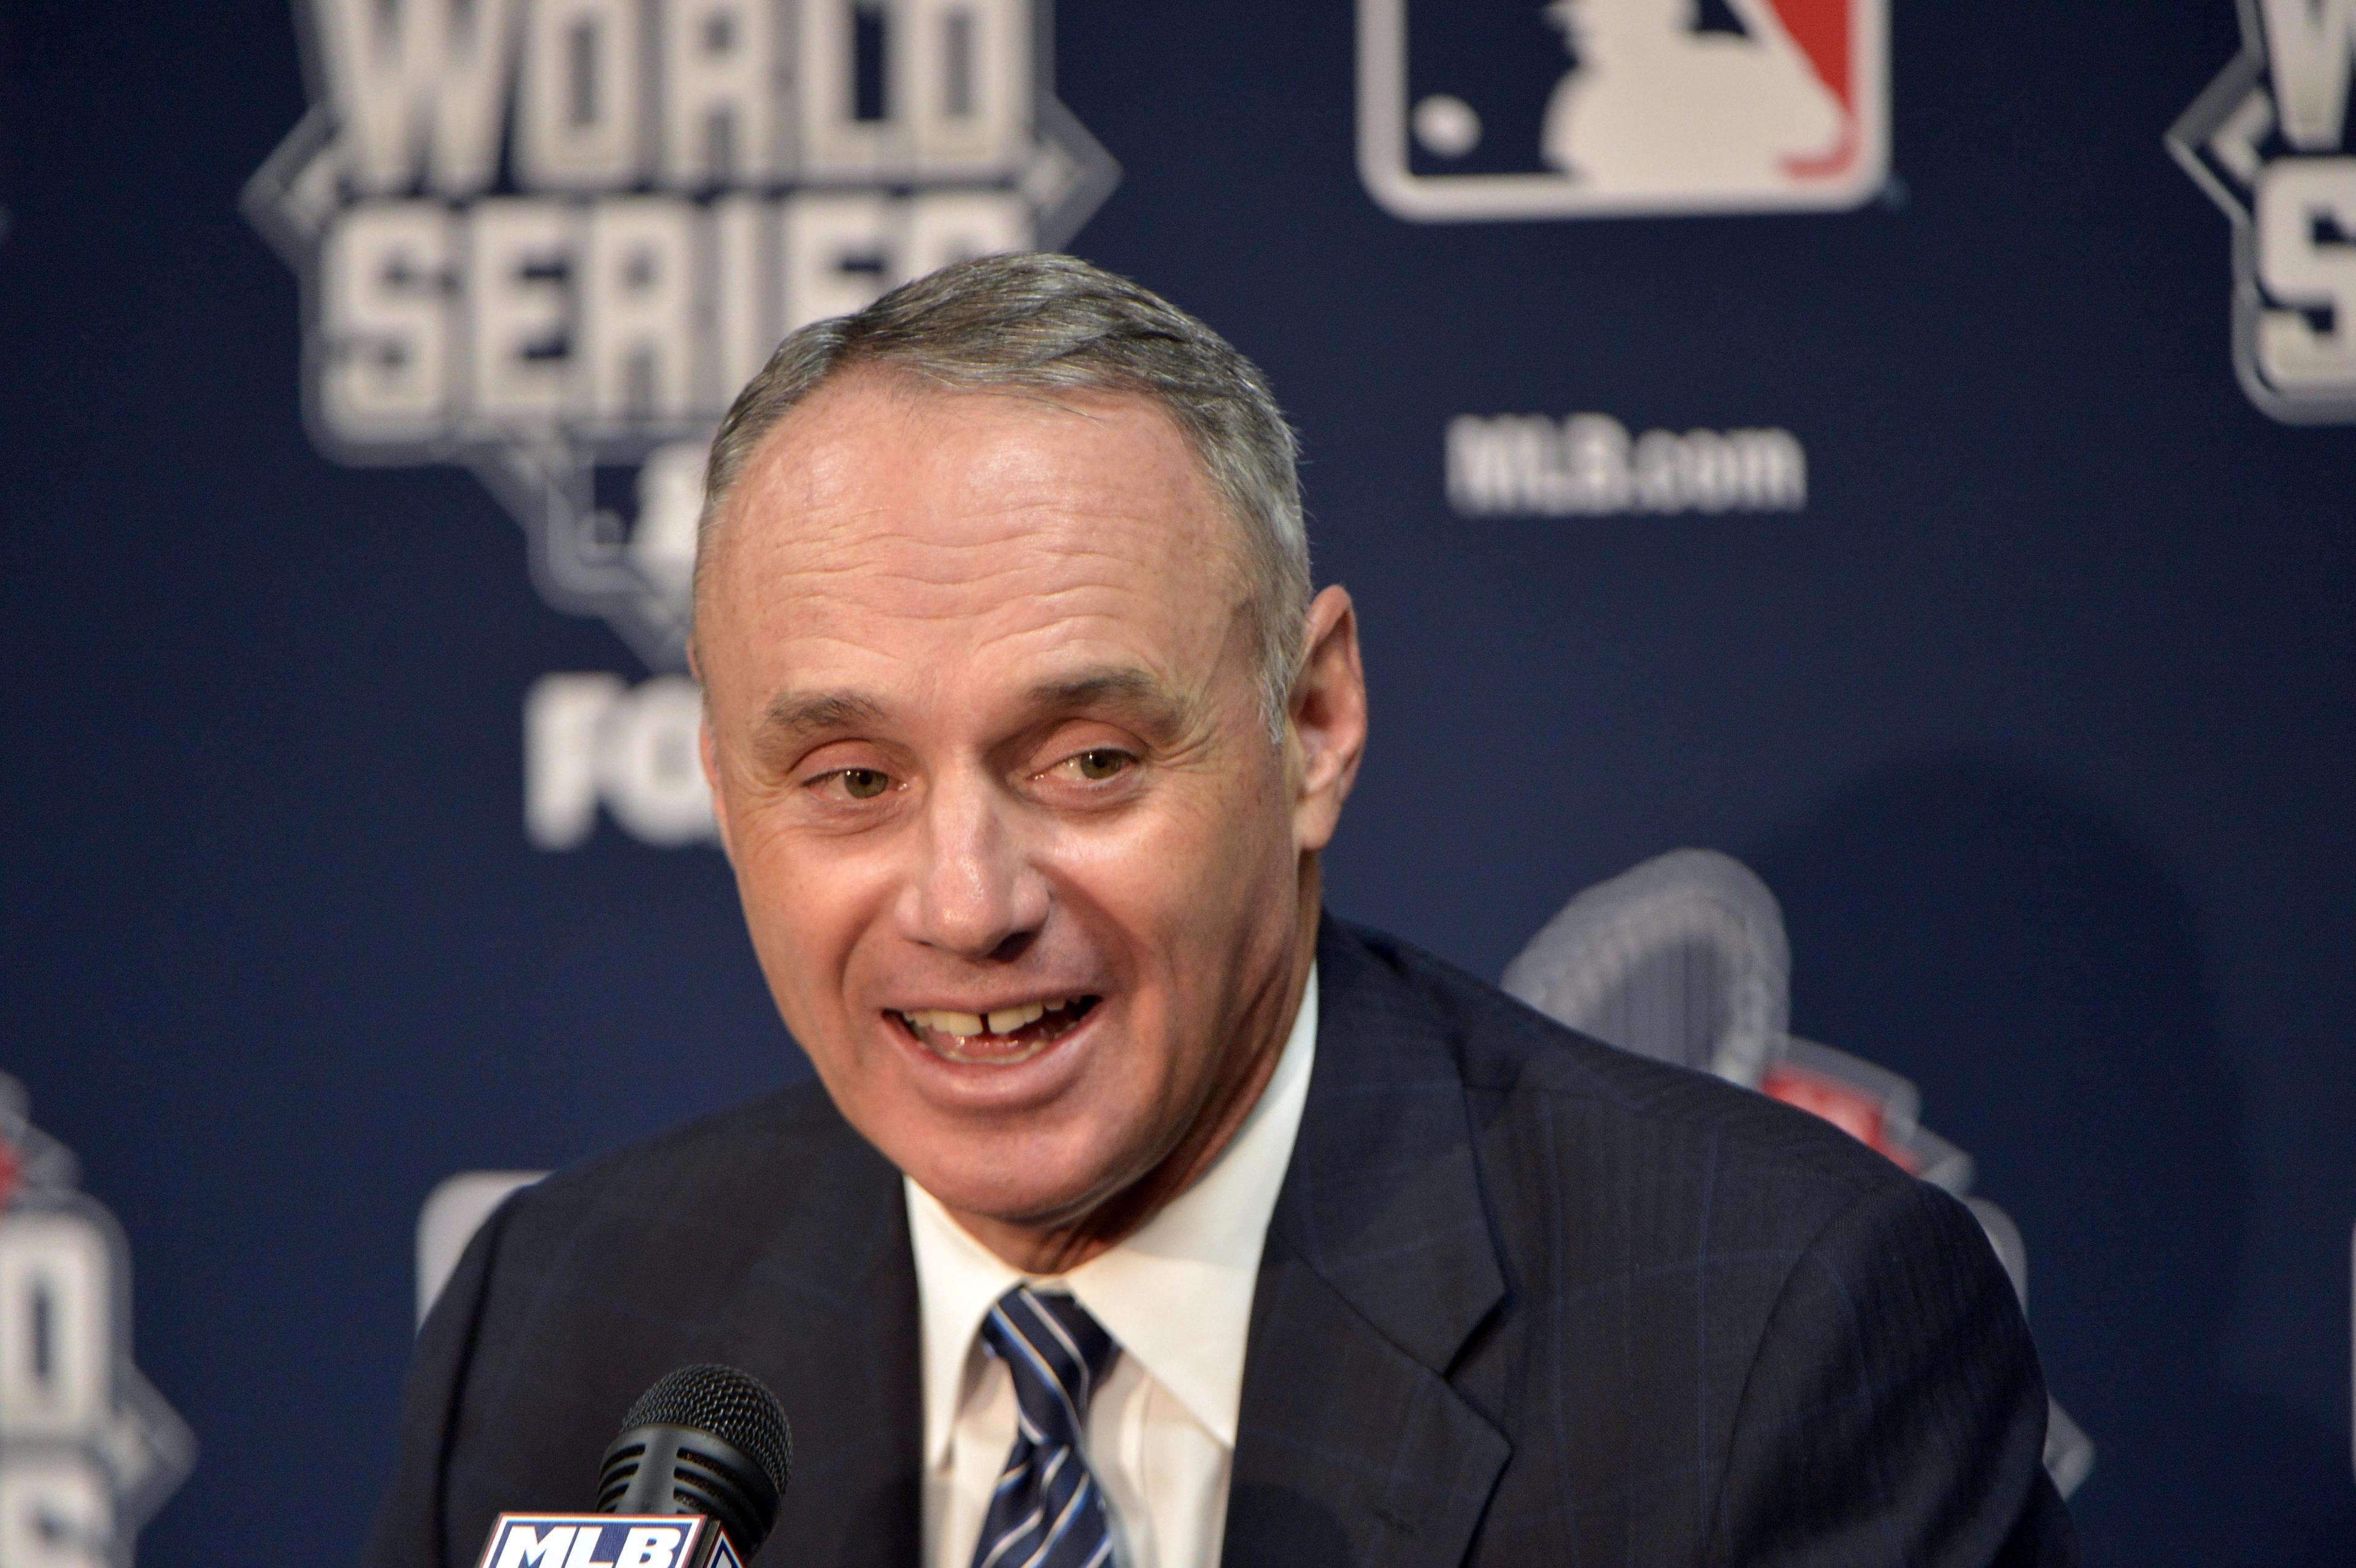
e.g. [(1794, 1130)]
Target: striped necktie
[(1048, 1511)]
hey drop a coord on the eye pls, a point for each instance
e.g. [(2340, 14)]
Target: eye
[(1101, 764), (861, 784)]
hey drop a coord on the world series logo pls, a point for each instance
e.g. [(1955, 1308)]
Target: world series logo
[(89, 1450), (549, 240), (2268, 141)]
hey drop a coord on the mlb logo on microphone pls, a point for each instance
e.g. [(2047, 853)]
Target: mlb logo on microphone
[(1622, 108), (606, 1540)]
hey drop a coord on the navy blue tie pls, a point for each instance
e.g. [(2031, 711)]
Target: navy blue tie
[(1048, 1511)]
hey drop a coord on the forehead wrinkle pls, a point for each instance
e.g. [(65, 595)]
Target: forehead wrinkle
[(821, 461), (1041, 571), (849, 599), (806, 465), (841, 535)]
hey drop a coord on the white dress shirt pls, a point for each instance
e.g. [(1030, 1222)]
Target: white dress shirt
[(1176, 1296)]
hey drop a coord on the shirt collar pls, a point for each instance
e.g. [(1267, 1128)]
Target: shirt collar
[(1177, 1294)]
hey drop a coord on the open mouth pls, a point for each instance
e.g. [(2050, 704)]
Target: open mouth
[(998, 1039)]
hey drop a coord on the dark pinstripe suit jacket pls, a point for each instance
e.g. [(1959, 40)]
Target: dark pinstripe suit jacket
[(1526, 1299)]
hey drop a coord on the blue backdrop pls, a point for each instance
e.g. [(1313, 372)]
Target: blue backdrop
[(2035, 702)]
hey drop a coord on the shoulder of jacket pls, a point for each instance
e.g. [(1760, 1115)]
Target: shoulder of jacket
[(762, 1146), (1519, 1064)]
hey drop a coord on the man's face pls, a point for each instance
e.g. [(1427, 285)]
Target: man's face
[(1020, 860)]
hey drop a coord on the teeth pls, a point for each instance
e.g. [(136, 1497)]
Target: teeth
[(939, 1021), (1008, 1019)]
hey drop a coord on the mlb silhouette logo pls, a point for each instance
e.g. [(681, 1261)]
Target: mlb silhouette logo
[(1622, 108)]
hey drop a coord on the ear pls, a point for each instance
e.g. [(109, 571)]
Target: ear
[(1325, 728), (707, 752)]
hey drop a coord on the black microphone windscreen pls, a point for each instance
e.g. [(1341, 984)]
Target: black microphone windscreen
[(707, 1440), (731, 1405)]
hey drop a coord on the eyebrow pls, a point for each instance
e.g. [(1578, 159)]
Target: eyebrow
[(1120, 688), (791, 718)]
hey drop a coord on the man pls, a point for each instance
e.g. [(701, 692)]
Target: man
[(1142, 1213)]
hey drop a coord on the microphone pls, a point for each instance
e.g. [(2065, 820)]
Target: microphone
[(707, 1440), (693, 1481)]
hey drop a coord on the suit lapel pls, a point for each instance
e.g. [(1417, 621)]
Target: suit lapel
[(886, 1492), (826, 1313), (1379, 1264)]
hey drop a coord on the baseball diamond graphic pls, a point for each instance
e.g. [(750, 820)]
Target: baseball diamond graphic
[(89, 1450), (548, 239)]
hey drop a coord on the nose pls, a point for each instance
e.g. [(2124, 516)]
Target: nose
[(974, 891)]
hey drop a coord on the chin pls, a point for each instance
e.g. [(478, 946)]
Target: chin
[(1007, 1184)]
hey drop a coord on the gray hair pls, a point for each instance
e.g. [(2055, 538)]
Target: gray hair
[(1046, 323)]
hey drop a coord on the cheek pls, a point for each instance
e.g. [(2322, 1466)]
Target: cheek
[(1196, 892), (804, 909), (1244, 844), (1175, 871)]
